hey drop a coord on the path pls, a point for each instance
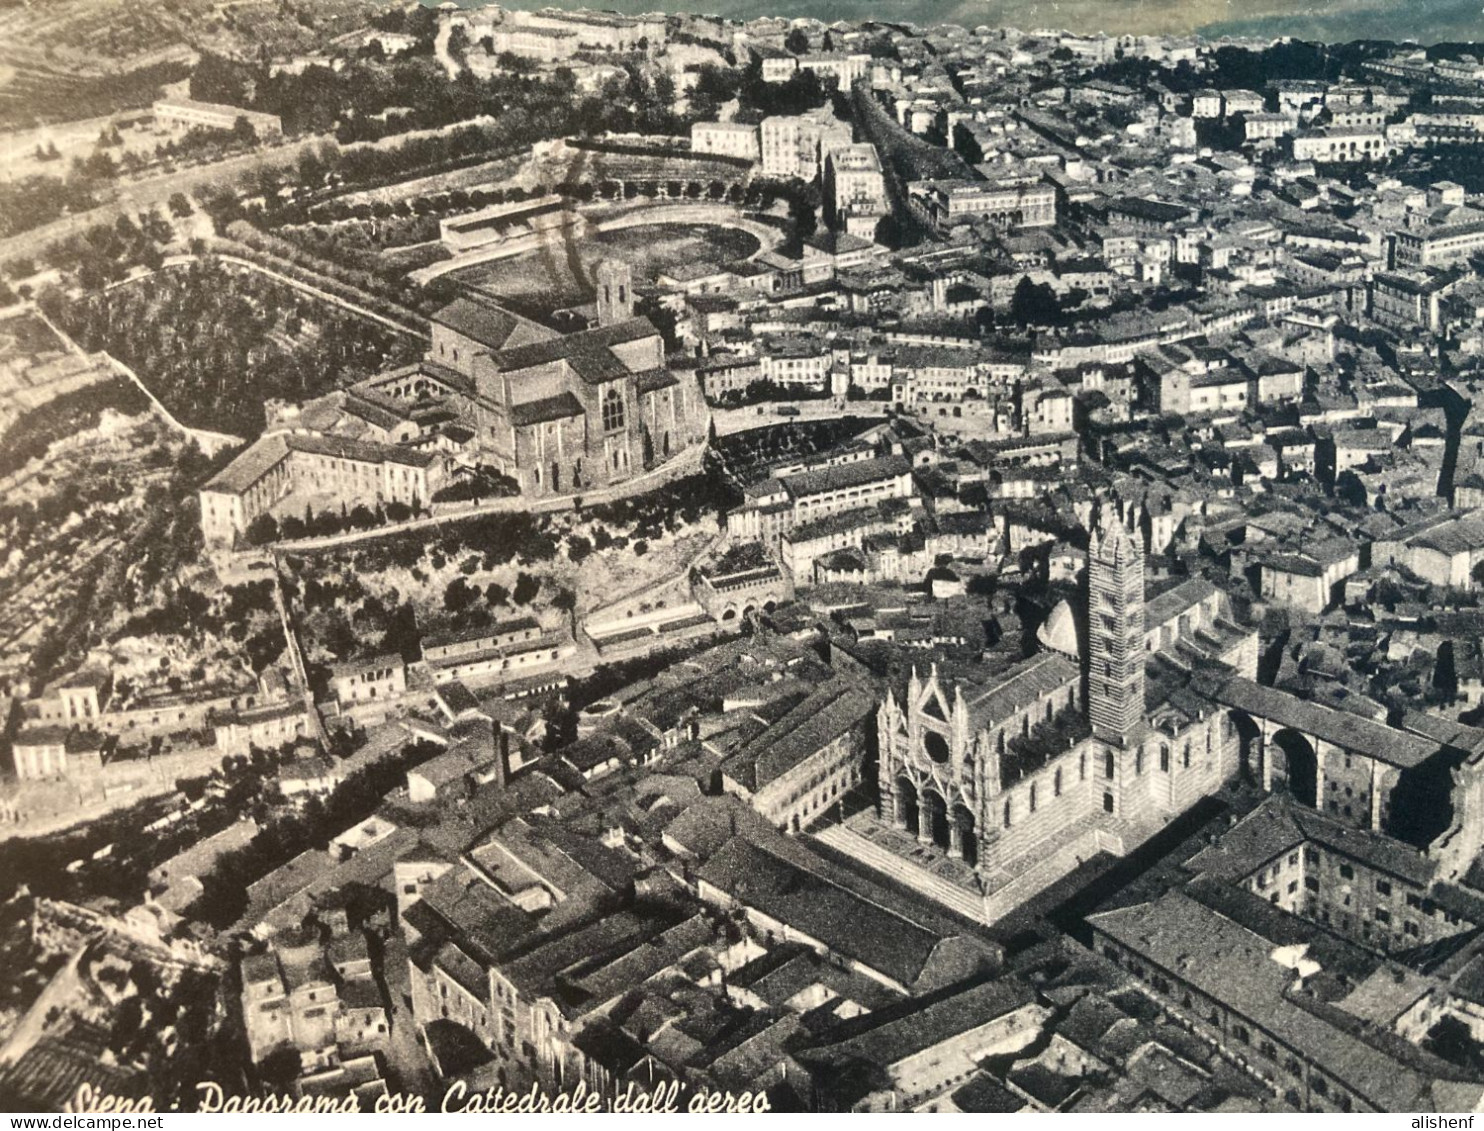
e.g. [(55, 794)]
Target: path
[(149, 192), (451, 66), (296, 658)]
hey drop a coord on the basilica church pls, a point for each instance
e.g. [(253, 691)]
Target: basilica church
[(1001, 786), (556, 413)]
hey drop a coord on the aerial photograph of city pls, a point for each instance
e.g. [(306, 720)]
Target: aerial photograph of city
[(823, 556)]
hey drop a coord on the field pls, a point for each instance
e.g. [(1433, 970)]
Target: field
[(542, 281)]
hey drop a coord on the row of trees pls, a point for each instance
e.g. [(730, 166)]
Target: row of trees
[(266, 529)]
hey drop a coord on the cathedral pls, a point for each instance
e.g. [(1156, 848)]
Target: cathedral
[(1094, 744)]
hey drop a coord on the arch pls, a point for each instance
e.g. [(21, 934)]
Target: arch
[(769, 605), (729, 614), (968, 840), (935, 746), (1300, 766), (749, 611), (908, 811), (1249, 743), (935, 817)]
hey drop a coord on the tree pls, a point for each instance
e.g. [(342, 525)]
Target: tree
[(526, 588), (566, 600), (496, 594), (578, 549), (458, 45), (1034, 304), (244, 132), (180, 205), (459, 595), (797, 41), (806, 220), (280, 1068), (261, 530)]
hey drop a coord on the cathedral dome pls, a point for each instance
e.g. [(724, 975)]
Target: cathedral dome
[(1059, 633)]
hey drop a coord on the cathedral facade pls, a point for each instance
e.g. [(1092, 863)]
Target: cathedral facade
[(1022, 777)]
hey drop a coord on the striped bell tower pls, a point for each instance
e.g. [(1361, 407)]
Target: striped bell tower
[(1115, 630)]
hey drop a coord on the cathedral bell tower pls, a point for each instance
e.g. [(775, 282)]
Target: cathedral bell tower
[(1115, 631)]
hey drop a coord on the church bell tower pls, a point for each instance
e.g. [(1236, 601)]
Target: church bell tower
[(614, 280)]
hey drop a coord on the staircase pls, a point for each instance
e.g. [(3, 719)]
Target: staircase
[(878, 859)]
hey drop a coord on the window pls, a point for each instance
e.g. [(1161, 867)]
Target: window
[(1108, 766), (1164, 758), (1056, 783), (1139, 760), (1107, 803), (1383, 887), (1382, 915), (1347, 872), (1007, 814), (1311, 882), (1033, 797), (613, 415)]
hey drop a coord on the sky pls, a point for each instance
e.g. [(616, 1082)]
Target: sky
[(1426, 21)]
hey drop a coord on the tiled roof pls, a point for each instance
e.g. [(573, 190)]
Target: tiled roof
[(1349, 732), (486, 324), (560, 407)]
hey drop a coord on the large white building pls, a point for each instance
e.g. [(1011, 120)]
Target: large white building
[(792, 145), (725, 139), (187, 113), (854, 189), (1009, 202), (1359, 143)]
